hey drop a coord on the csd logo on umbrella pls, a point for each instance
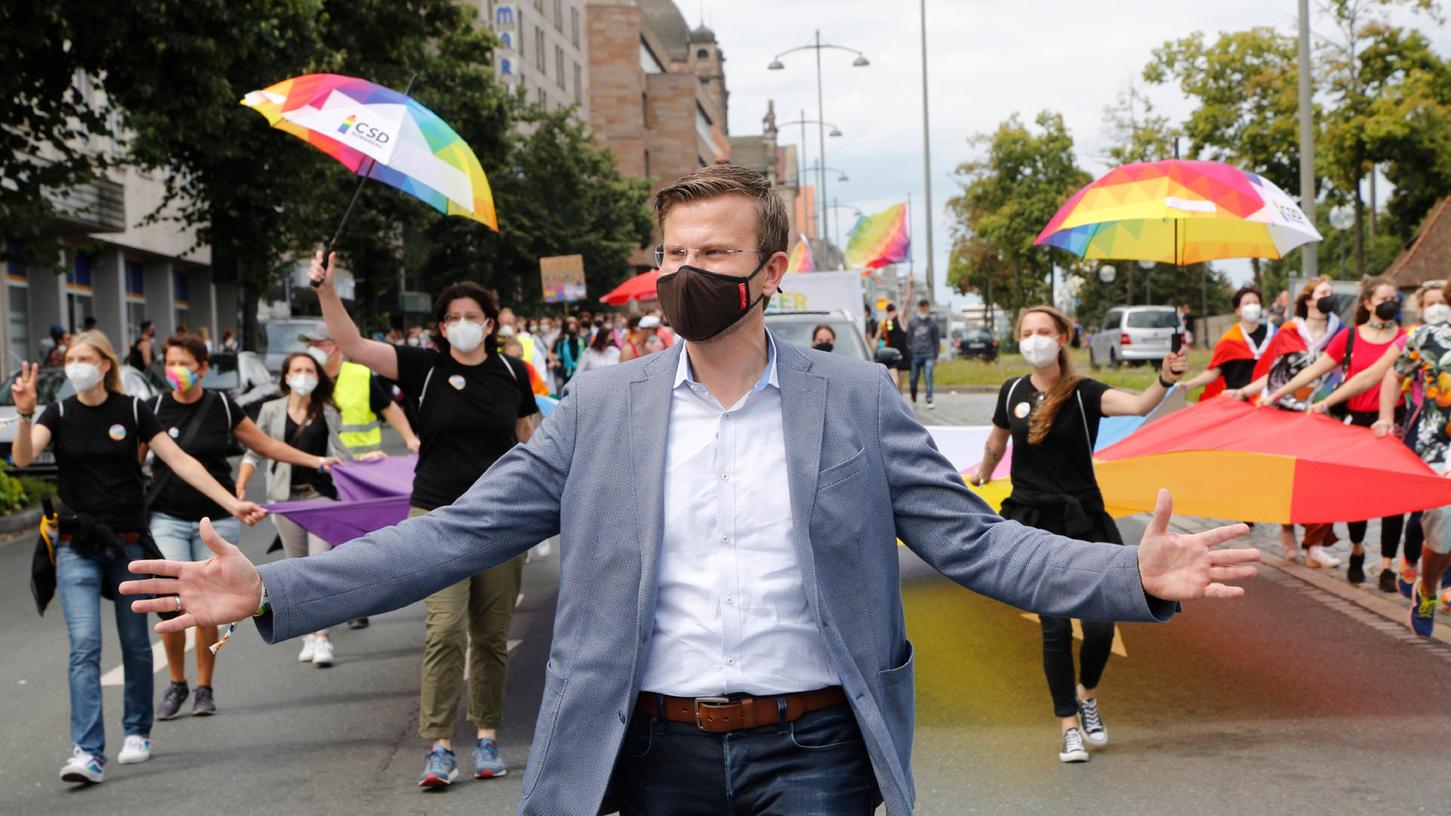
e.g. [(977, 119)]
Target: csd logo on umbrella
[(362, 130)]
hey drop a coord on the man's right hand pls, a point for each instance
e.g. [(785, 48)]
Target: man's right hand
[(221, 589), (320, 276)]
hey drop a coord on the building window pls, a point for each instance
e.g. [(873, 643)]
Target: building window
[(574, 26), (702, 54), (181, 287), (648, 62), (505, 67), (702, 126), (578, 84), (135, 297), (558, 16), (539, 47), (504, 16), (559, 66), (507, 41)]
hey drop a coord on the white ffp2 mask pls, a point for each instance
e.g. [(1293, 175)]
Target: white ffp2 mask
[(1039, 350)]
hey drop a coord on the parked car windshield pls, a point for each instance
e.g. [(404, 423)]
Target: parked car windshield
[(848, 341), (50, 385), (1155, 319)]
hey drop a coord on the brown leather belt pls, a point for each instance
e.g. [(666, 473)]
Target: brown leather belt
[(719, 715), (128, 538)]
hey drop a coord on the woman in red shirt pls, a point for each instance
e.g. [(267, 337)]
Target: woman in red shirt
[(1376, 331)]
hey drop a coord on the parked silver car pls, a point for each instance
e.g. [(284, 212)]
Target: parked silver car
[(1134, 334), (51, 385)]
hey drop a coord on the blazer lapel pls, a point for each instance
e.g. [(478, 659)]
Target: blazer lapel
[(803, 418), (648, 416)]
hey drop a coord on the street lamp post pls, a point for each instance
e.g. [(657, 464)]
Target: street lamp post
[(834, 133), (1342, 218), (1148, 267), (836, 205), (841, 178), (818, 46)]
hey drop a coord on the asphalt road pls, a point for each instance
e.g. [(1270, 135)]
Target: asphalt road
[(1293, 700)]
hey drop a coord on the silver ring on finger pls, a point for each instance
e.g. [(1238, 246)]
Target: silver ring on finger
[(179, 603)]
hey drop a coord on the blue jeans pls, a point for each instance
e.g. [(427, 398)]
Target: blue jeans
[(79, 580), (815, 766), (181, 540), (921, 363)]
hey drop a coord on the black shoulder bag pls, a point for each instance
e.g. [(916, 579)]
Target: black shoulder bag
[(187, 435)]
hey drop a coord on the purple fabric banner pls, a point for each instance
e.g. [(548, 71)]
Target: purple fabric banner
[(371, 496)]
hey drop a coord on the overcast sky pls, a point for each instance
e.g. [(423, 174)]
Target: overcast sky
[(987, 60)]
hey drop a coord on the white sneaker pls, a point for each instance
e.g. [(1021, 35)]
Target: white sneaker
[(322, 654), (135, 749), (309, 645), (1317, 558), (82, 767), (1072, 750)]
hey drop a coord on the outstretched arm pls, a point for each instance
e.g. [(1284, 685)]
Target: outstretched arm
[(1363, 380), (374, 354), (1117, 402), (512, 507), (955, 532)]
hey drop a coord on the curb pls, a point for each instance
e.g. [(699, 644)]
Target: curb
[(1391, 607), (18, 522)]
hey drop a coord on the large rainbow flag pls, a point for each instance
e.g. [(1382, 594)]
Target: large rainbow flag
[(879, 240), (800, 259)]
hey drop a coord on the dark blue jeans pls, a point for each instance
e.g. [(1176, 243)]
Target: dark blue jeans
[(922, 364), (815, 766), (79, 581)]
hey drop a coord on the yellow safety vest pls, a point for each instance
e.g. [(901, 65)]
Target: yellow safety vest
[(360, 432)]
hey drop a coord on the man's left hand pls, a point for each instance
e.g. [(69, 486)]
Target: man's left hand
[(1187, 567)]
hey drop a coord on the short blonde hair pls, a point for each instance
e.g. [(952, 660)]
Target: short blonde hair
[(773, 227), (97, 340)]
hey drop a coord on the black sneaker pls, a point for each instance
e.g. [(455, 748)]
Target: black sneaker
[(1355, 573), (171, 701), (204, 706), (1091, 722), (1072, 750), (1388, 580), (358, 623)]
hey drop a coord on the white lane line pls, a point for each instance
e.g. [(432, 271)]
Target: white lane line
[(117, 676)]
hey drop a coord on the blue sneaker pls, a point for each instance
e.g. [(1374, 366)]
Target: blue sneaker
[(487, 763), (1405, 581), (1423, 612), (440, 769)]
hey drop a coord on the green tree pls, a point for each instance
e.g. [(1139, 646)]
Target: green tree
[(1007, 197), (1136, 133)]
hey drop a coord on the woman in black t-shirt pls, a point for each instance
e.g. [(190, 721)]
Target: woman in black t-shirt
[(178, 508), (473, 405), (1052, 417), (100, 436)]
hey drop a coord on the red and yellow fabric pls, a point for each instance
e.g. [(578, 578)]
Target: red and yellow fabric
[(1233, 345)]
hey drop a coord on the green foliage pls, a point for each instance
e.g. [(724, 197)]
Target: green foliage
[(1198, 286), (1007, 196), (1136, 132), (21, 492)]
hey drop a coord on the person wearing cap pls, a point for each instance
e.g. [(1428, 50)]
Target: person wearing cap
[(359, 397)]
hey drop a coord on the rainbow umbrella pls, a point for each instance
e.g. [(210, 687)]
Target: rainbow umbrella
[(1181, 212), (384, 135), (879, 240)]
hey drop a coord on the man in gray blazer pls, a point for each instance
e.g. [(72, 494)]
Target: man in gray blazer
[(729, 634)]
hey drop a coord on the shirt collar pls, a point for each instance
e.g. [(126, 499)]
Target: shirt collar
[(684, 373)]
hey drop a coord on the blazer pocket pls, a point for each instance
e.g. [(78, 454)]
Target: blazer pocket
[(898, 703), (838, 473), (554, 686)]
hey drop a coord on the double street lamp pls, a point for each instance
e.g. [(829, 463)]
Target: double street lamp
[(834, 133), (818, 46)]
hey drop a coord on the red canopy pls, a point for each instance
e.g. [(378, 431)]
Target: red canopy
[(1226, 459), (640, 287)]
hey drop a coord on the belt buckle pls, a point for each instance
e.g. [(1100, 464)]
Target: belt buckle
[(714, 701)]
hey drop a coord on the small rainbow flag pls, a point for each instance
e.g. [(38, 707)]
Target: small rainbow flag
[(800, 259), (879, 240), (348, 123)]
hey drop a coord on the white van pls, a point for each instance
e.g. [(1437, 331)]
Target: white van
[(1134, 334)]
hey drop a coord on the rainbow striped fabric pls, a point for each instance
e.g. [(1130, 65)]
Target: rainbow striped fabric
[(384, 135), (879, 240), (800, 259)]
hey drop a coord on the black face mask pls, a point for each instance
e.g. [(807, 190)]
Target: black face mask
[(827, 347), (1386, 311), (701, 304), (1326, 305)]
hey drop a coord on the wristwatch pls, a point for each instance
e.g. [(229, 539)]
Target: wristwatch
[(265, 606)]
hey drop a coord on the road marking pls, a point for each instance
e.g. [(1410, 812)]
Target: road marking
[(117, 676), (1118, 639)]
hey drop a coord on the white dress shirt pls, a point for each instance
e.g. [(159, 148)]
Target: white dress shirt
[(731, 614)]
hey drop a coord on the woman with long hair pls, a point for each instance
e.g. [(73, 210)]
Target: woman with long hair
[(100, 437), (1375, 334), (306, 419), (1052, 417), (474, 404), (205, 424)]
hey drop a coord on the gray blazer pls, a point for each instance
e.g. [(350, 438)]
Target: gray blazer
[(857, 484), (272, 419)]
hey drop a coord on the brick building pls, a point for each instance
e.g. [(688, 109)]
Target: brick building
[(542, 49)]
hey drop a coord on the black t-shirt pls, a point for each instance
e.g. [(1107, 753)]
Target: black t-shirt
[(1239, 373), (378, 398), (465, 419), (312, 438), (1062, 462), (209, 446), (96, 456), (896, 336)]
